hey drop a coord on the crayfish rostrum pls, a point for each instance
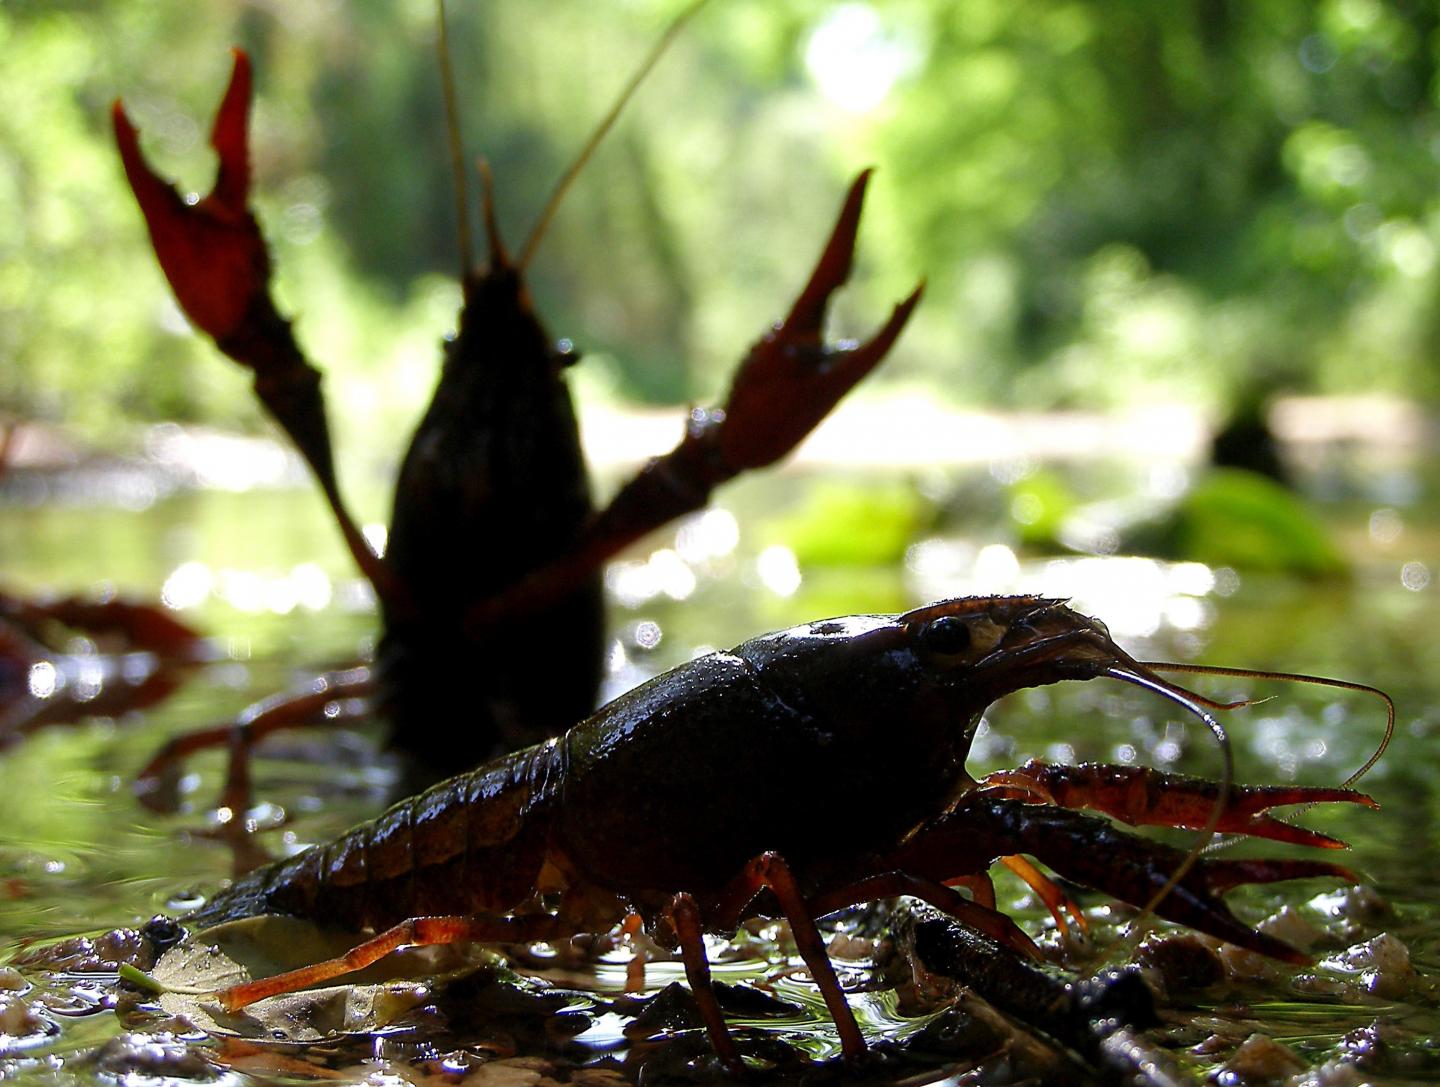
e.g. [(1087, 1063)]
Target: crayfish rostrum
[(645, 808)]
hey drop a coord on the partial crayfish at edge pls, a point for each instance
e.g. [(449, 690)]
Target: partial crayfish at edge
[(652, 807)]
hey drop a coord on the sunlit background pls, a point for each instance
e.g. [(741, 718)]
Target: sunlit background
[(1152, 235), (1199, 202)]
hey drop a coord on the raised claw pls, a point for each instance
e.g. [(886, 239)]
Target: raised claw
[(214, 256), (785, 386), (211, 251), (791, 380), (1142, 796)]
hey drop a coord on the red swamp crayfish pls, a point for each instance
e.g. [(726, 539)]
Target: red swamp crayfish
[(634, 811)]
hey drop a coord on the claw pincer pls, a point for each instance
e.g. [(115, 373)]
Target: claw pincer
[(651, 807)]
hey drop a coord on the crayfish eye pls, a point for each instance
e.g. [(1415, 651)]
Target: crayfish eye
[(946, 636)]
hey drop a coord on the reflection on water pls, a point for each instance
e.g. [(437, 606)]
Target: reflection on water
[(263, 575)]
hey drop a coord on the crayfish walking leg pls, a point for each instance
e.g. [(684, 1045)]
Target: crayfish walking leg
[(767, 871)]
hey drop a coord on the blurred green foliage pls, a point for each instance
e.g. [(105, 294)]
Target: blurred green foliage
[(1236, 518), (852, 523), (1111, 200)]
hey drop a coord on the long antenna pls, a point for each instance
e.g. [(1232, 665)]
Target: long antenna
[(606, 123), (457, 151), (1195, 705), (1298, 677)]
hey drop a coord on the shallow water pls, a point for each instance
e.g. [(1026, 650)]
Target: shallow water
[(261, 573)]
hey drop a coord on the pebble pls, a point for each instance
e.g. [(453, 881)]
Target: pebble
[(21, 1024), (1260, 1059), (1290, 925), (1381, 966), (152, 1057), (1179, 965)]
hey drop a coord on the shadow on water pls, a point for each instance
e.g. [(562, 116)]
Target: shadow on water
[(261, 572)]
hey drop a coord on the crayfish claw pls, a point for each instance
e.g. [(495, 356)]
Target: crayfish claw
[(790, 380), (1142, 796), (832, 269), (211, 252), (230, 137), (1223, 875), (216, 261), (787, 385)]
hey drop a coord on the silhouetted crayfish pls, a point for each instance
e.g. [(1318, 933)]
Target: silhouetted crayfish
[(494, 543)]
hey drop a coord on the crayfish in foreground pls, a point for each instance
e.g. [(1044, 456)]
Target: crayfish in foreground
[(650, 807)]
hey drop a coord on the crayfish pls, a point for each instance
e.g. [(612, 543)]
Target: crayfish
[(495, 547), (634, 811), (139, 653)]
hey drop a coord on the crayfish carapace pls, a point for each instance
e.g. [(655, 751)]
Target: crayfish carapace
[(650, 807)]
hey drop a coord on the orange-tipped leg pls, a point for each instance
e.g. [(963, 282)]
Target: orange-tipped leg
[(1060, 905), (416, 932)]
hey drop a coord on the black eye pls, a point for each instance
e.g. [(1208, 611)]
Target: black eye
[(947, 635)]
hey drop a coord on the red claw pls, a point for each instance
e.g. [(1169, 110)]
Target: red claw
[(791, 379), (215, 258), (211, 251)]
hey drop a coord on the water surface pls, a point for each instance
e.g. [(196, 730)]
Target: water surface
[(262, 574)]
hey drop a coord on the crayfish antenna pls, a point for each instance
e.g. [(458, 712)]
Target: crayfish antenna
[(1196, 704), (467, 248), (603, 128), (1293, 677), (457, 150), (498, 257)]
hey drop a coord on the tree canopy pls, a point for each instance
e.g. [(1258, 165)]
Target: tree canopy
[(1111, 201)]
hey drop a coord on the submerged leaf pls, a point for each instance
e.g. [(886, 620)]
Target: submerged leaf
[(366, 1001)]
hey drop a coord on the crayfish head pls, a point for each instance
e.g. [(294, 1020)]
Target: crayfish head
[(994, 645), (980, 648)]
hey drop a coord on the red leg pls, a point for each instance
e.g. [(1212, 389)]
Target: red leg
[(416, 932), (770, 870), (1141, 796), (331, 701), (685, 916)]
